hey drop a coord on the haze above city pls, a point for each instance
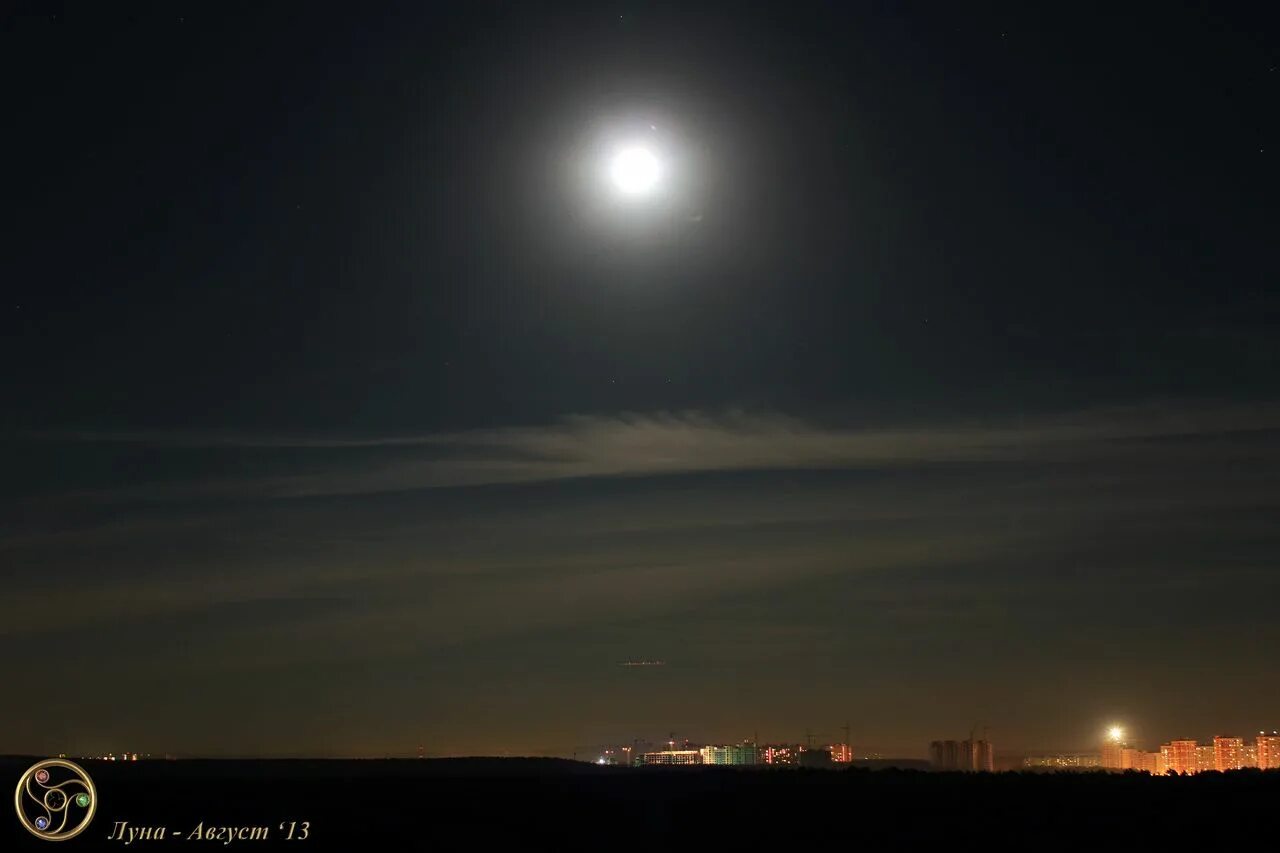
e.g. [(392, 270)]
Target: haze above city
[(390, 377)]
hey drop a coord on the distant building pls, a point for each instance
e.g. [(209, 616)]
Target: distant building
[(1064, 761), (1130, 758), (984, 756), (841, 753), (970, 755), (1117, 755), (815, 758), (742, 753), (1113, 754), (1179, 756), (673, 757), (946, 755), (1268, 748), (1206, 758), (1228, 753), (781, 754)]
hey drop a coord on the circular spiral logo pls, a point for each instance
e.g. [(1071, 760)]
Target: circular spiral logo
[(55, 799)]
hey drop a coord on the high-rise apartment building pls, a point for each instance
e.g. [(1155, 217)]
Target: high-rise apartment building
[(1228, 753), (738, 753), (1113, 748), (945, 755), (1268, 747), (962, 755), (984, 755), (1113, 754), (1179, 756), (1137, 759)]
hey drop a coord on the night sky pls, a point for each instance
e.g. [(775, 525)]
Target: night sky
[(346, 407)]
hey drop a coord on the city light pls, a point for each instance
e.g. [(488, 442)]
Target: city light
[(1115, 752)]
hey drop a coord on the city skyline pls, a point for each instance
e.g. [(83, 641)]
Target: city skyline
[(1114, 749)]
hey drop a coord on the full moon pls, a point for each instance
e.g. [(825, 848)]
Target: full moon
[(635, 170)]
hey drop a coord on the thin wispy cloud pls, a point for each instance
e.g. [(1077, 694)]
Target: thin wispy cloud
[(658, 444)]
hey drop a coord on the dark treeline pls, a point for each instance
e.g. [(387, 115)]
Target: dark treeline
[(551, 804)]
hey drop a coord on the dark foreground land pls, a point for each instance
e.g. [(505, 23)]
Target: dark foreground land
[(534, 804)]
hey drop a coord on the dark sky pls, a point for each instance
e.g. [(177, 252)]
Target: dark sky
[(347, 408)]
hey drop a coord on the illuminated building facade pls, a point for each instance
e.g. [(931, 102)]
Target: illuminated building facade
[(1064, 761), (738, 754), (1228, 753), (1268, 747), (1118, 755), (1206, 758), (1130, 758), (1180, 756), (781, 754), (841, 753), (670, 757)]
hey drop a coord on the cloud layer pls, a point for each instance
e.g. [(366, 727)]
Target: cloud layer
[(1083, 543), (687, 442)]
